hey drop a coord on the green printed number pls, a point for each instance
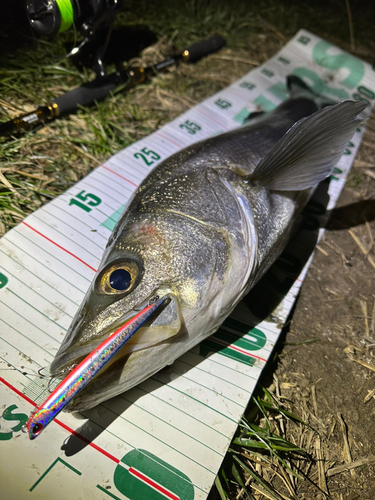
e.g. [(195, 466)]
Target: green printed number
[(223, 104), (191, 127), (322, 55), (267, 72), (87, 199), (247, 85), (337, 170), (147, 155), (364, 94), (304, 40), (143, 475), (3, 280), (347, 150), (56, 462), (356, 67), (229, 341), (9, 416), (316, 83)]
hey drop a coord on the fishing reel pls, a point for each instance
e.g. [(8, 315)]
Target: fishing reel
[(50, 17), (92, 19)]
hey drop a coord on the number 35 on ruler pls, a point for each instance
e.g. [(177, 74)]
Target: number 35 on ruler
[(87, 200)]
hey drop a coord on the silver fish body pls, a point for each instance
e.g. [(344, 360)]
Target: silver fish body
[(203, 227)]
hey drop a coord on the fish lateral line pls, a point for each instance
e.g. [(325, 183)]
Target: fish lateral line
[(194, 219), (88, 368)]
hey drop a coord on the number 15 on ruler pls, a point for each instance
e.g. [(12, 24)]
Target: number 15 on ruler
[(86, 200)]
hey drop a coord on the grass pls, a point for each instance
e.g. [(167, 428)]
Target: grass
[(65, 151), (261, 461), (267, 457)]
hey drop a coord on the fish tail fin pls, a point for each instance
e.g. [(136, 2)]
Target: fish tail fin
[(298, 88), (310, 149)]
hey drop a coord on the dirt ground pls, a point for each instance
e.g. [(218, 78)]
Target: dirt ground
[(330, 380), (323, 370), (325, 367)]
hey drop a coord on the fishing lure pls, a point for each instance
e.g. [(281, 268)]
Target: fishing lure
[(81, 375)]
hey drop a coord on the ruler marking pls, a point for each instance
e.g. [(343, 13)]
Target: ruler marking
[(64, 235), (77, 219), (169, 424), (199, 108), (231, 346), (31, 323), (38, 277), (150, 394), (40, 295), (121, 176), (24, 336), (59, 246), (179, 360), (111, 209), (153, 484), (183, 375), (49, 269), (103, 193), (195, 399), (214, 361), (122, 160), (163, 136), (121, 417), (113, 189)]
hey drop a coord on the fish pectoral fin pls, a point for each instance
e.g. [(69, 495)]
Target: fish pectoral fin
[(310, 149)]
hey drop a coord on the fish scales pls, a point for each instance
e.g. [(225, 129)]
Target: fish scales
[(203, 227)]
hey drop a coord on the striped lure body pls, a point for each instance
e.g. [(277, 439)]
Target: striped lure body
[(82, 374)]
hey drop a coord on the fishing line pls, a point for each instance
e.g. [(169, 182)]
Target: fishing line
[(66, 13)]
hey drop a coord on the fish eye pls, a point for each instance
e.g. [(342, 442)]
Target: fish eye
[(118, 278)]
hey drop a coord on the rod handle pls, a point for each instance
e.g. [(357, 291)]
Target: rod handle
[(203, 48)]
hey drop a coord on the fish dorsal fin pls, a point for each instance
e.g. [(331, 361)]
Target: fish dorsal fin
[(310, 149)]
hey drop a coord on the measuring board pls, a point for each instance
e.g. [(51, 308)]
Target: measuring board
[(167, 437)]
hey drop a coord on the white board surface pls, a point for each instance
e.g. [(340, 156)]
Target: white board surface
[(167, 437)]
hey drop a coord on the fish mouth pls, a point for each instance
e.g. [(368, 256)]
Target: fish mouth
[(163, 325)]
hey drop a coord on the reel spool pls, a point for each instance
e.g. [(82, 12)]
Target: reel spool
[(50, 17)]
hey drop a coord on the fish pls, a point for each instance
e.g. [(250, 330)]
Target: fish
[(203, 227)]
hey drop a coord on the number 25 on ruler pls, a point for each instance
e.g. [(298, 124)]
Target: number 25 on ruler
[(86, 200), (147, 155)]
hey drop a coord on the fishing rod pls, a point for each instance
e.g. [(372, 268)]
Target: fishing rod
[(98, 89)]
